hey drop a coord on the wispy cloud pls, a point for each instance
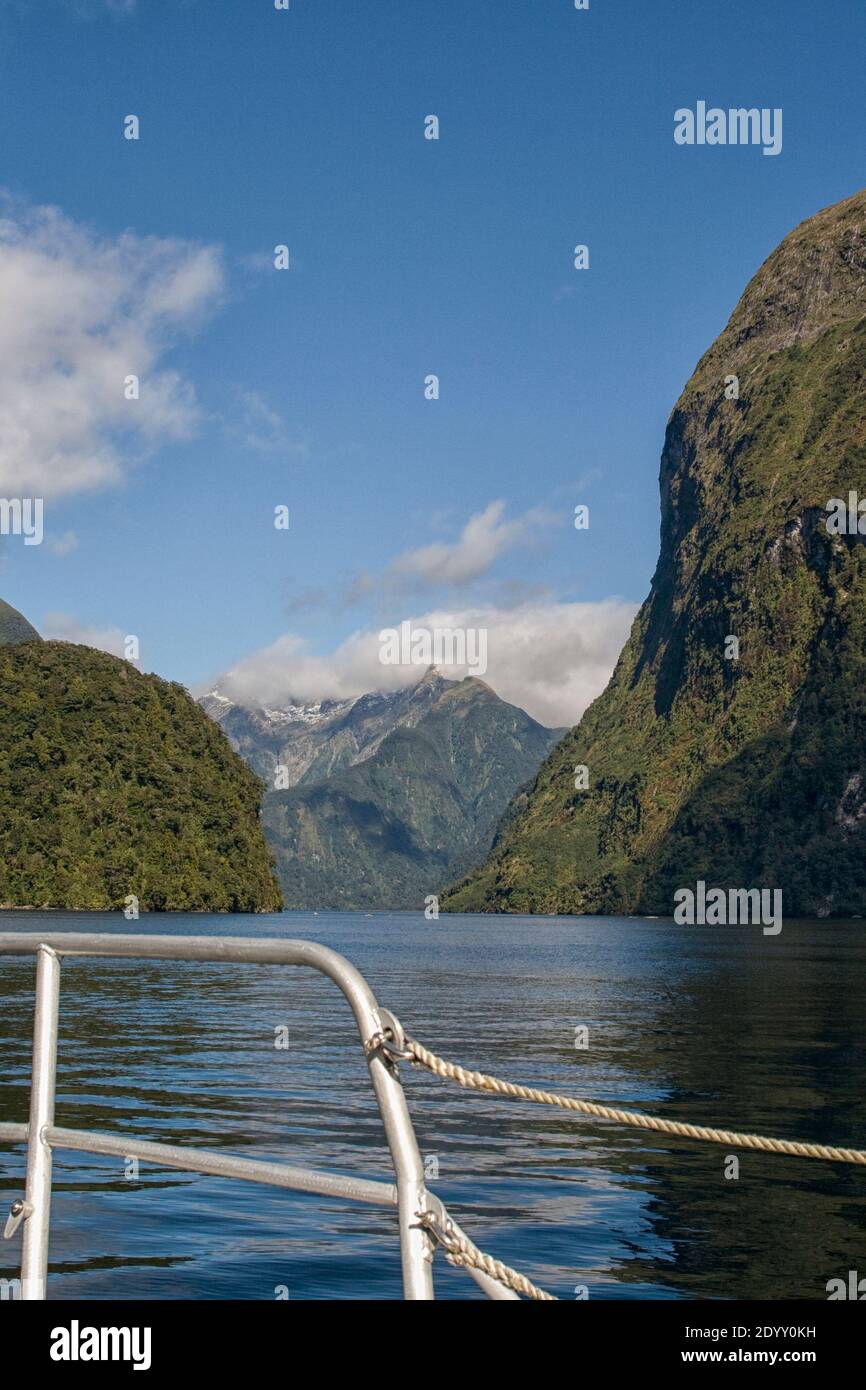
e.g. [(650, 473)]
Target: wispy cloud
[(258, 426), (454, 565), (308, 599), (62, 545), (485, 537)]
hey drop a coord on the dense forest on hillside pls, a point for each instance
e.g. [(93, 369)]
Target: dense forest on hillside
[(116, 784)]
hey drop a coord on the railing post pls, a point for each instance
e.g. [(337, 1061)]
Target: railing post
[(416, 1250), (34, 1251)]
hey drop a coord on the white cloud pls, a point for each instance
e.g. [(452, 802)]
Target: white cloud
[(485, 537), (63, 627), (551, 659), (78, 314)]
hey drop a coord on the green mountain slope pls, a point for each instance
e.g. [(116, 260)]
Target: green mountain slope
[(114, 784), (313, 741), (750, 771), (423, 807)]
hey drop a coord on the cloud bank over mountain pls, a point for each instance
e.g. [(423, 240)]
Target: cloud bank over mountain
[(551, 659)]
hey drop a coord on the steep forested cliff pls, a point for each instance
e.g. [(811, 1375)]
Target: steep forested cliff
[(741, 762)]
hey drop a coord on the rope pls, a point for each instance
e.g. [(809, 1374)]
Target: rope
[(478, 1081), (460, 1251)]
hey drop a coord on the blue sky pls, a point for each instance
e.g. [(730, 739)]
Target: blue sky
[(408, 257)]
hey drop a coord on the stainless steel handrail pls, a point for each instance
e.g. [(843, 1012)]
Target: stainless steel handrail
[(409, 1194)]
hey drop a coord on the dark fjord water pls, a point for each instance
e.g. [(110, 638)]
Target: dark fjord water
[(722, 1026)]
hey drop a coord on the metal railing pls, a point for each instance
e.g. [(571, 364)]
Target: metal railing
[(419, 1211)]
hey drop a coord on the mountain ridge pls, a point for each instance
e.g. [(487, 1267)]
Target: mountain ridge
[(314, 739), (389, 795)]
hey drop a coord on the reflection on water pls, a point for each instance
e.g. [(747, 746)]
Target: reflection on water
[(715, 1025)]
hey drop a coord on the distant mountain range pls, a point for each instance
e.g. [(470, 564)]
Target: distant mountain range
[(384, 799)]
